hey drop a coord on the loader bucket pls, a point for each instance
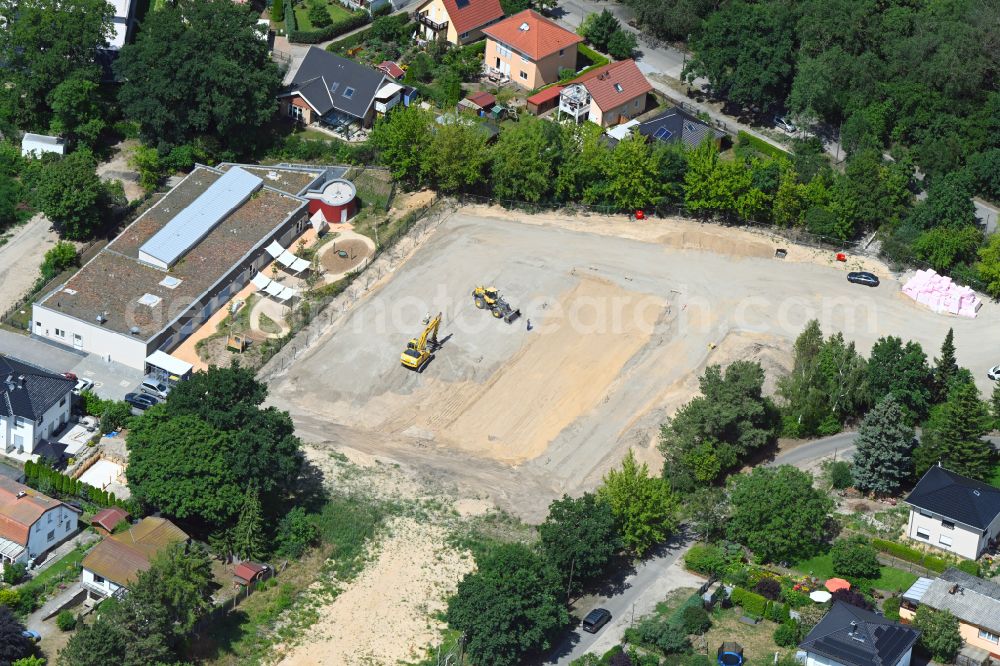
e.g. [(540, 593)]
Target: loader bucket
[(511, 316)]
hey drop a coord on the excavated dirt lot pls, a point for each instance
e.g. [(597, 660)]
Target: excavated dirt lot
[(624, 318)]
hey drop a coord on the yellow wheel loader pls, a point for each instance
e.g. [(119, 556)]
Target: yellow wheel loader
[(489, 298)]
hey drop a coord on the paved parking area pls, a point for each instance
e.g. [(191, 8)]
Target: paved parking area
[(111, 380)]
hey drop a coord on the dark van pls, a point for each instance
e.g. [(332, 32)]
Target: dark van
[(596, 619)]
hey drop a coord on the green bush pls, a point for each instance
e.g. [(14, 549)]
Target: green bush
[(854, 558), (752, 603), (913, 555), (776, 612), (656, 633), (761, 146), (891, 608), (58, 258), (839, 472), (707, 560), (787, 634), (319, 16), (10, 598), (970, 567), (795, 599), (66, 621), (14, 573), (695, 620)]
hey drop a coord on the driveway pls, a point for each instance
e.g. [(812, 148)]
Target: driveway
[(111, 380), (635, 596)]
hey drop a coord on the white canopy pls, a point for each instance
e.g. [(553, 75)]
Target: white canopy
[(388, 90), (260, 281), (291, 262), (171, 364), (286, 294), (274, 249), (820, 596), (273, 288), (10, 550), (318, 220)]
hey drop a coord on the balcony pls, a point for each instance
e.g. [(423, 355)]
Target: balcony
[(425, 19), (574, 101), (99, 590)]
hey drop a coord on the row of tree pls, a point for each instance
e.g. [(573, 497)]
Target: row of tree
[(53, 482)]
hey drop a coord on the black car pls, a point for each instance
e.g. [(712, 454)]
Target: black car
[(863, 277), (140, 400), (596, 619)]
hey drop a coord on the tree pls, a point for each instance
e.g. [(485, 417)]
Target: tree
[(296, 533), (523, 164), (319, 16), (900, 370), (77, 110), (707, 512), (69, 192), (939, 633), (401, 138), (717, 430), (600, 29), (456, 156), (632, 179), (249, 540), (11, 196), (645, 507), (945, 367), (995, 402), (508, 607), (883, 459), (180, 581), (747, 53), (13, 644), (777, 513), (943, 247), (953, 435), (622, 44), (854, 557), (988, 265), (58, 258), (579, 537), (199, 69), (44, 44)]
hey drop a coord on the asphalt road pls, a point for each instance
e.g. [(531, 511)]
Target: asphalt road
[(840, 445)]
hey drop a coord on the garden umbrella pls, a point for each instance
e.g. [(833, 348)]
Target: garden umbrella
[(835, 584), (820, 596)]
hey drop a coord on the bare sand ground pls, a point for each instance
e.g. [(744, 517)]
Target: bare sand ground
[(21, 256)]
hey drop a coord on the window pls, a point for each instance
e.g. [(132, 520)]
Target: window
[(50, 517), (464, 35), (923, 534), (38, 527), (524, 58), (948, 525), (618, 87), (18, 441), (51, 535), (98, 579), (295, 112), (61, 332), (503, 51), (987, 636), (524, 75), (38, 324), (348, 92), (62, 403), (562, 51), (637, 104), (945, 540)]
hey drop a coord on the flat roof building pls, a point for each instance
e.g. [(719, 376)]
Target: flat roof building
[(179, 261)]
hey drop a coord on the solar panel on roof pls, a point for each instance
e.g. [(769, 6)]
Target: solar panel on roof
[(192, 224), (663, 134)]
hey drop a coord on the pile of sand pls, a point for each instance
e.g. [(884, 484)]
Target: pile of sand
[(385, 616)]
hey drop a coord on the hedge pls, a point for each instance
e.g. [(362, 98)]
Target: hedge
[(291, 23), (705, 559), (341, 45), (355, 20), (752, 603), (890, 608), (761, 146), (932, 562), (50, 481), (595, 58), (676, 618)]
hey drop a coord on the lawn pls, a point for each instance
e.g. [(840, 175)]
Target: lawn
[(757, 641), (337, 13), (995, 478), (891, 578)]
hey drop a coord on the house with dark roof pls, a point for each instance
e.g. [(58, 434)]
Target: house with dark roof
[(678, 126), (334, 90), (529, 50), (34, 405), (455, 21), (973, 600), (31, 523), (954, 513), (116, 562), (851, 636), (607, 95)]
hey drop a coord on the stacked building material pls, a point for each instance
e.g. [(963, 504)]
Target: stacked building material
[(941, 294)]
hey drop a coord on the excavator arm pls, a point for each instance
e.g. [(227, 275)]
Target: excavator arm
[(431, 331)]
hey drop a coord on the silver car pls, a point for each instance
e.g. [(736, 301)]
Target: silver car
[(994, 373), (783, 123)]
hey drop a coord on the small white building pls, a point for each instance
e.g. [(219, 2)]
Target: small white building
[(852, 636), (36, 145), (116, 562), (31, 523), (34, 405), (954, 513)]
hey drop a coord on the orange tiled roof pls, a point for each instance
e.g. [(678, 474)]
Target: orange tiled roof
[(472, 14), (532, 34), (18, 514), (604, 82)]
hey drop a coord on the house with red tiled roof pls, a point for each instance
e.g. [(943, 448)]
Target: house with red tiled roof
[(529, 49), (607, 96), (456, 21), (30, 523)]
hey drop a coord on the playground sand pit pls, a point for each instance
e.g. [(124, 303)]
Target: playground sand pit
[(344, 255), (102, 473)]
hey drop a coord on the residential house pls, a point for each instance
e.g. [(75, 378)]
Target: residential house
[(954, 513), (31, 523), (124, 22), (974, 601), (529, 50), (851, 636), (334, 90), (606, 96), (115, 563), (457, 22), (678, 126), (34, 405)]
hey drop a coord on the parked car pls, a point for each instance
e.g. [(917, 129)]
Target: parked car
[(596, 619), (154, 386), (140, 400), (783, 123), (994, 373), (863, 277), (32, 635), (83, 385)]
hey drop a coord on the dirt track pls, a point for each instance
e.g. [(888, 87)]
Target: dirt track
[(624, 320)]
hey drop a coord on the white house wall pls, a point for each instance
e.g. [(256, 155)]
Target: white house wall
[(106, 586), (52, 421), (813, 659), (94, 339), (964, 541), (59, 522)]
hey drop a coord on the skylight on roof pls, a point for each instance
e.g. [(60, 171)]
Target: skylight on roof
[(150, 300), (663, 134), (170, 282), (348, 92), (524, 27), (461, 3), (618, 87), (334, 86)]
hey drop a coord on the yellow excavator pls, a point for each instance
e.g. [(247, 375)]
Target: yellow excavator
[(419, 350), (489, 298)]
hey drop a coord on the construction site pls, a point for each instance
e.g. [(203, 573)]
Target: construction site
[(616, 322)]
